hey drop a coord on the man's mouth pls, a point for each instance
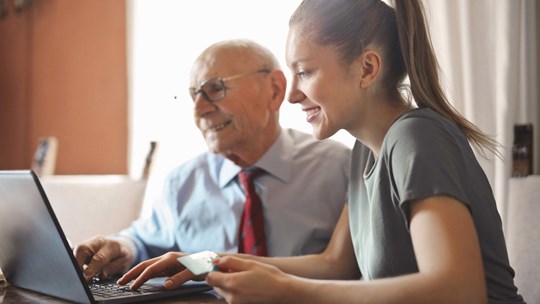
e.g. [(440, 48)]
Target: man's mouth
[(219, 127)]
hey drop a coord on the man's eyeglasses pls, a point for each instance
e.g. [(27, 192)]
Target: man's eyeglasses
[(214, 89)]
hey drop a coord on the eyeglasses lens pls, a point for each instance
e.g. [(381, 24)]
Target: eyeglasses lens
[(212, 90)]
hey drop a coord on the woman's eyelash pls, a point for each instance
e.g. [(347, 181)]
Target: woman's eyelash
[(302, 74)]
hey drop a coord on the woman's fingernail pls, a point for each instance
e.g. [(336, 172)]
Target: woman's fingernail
[(168, 283)]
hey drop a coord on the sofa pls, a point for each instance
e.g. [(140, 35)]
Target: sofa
[(89, 205)]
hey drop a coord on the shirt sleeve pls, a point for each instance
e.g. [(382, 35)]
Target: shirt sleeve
[(425, 159), (153, 235)]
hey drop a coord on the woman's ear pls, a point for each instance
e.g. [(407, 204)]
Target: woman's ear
[(370, 66), (279, 86)]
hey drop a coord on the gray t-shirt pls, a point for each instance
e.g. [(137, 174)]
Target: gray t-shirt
[(423, 154)]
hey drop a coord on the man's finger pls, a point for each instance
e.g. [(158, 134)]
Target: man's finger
[(115, 267), (85, 251), (83, 254), (98, 261)]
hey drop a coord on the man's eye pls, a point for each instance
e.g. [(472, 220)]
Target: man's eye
[(214, 88)]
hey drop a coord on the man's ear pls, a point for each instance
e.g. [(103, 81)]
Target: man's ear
[(279, 86), (370, 66)]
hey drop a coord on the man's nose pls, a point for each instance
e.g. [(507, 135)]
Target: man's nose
[(202, 105)]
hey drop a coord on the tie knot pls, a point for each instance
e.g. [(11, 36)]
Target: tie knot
[(249, 175)]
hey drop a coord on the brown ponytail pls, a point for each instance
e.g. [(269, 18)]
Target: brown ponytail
[(422, 69)]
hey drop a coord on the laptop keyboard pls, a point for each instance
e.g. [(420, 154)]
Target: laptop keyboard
[(109, 289)]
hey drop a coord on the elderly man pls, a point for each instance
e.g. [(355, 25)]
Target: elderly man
[(261, 189)]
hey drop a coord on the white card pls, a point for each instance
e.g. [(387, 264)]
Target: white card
[(200, 262)]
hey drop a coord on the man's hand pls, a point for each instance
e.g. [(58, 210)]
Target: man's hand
[(104, 257)]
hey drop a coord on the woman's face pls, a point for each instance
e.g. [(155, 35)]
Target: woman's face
[(327, 91)]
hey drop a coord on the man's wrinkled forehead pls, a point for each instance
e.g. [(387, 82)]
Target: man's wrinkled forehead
[(220, 63), (205, 65)]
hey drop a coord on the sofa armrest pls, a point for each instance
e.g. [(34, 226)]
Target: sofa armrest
[(523, 235)]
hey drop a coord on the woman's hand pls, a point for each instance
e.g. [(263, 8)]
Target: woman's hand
[(241, 281), (166, 265)]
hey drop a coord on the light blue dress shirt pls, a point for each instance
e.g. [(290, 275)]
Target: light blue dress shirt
[(303, 193)]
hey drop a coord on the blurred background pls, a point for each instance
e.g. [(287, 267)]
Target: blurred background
[(95, 82), (93, 97)]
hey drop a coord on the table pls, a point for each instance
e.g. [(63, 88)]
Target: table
[(11, 295)]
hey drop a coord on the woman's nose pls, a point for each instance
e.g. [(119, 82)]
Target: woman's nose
[(295, 95)]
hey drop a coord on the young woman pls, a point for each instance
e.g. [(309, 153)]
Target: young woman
[(421, 225)]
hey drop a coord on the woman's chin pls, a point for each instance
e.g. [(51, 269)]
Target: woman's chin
[(321, 134)]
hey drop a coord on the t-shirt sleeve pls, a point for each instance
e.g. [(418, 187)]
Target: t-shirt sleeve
[(425, 159)]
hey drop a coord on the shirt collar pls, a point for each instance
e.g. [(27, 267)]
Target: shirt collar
[(276, 161)]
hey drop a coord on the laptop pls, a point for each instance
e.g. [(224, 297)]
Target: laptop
[(35, 254)]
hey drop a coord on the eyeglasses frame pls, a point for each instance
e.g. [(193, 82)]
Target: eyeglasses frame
[(194, 92)]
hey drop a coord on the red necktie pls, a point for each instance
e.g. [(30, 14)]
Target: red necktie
[(251, 237)]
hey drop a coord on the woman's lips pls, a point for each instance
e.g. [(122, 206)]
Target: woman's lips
[(312, 113)]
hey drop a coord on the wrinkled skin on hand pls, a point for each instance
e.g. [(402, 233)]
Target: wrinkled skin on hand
[(104, 257)]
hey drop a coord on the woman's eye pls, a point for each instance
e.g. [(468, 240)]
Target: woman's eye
[(302, 74)]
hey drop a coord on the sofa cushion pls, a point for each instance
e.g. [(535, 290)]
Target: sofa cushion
[(89, 205)]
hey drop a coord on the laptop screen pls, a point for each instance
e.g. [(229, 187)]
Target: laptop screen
[(34, 253)]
